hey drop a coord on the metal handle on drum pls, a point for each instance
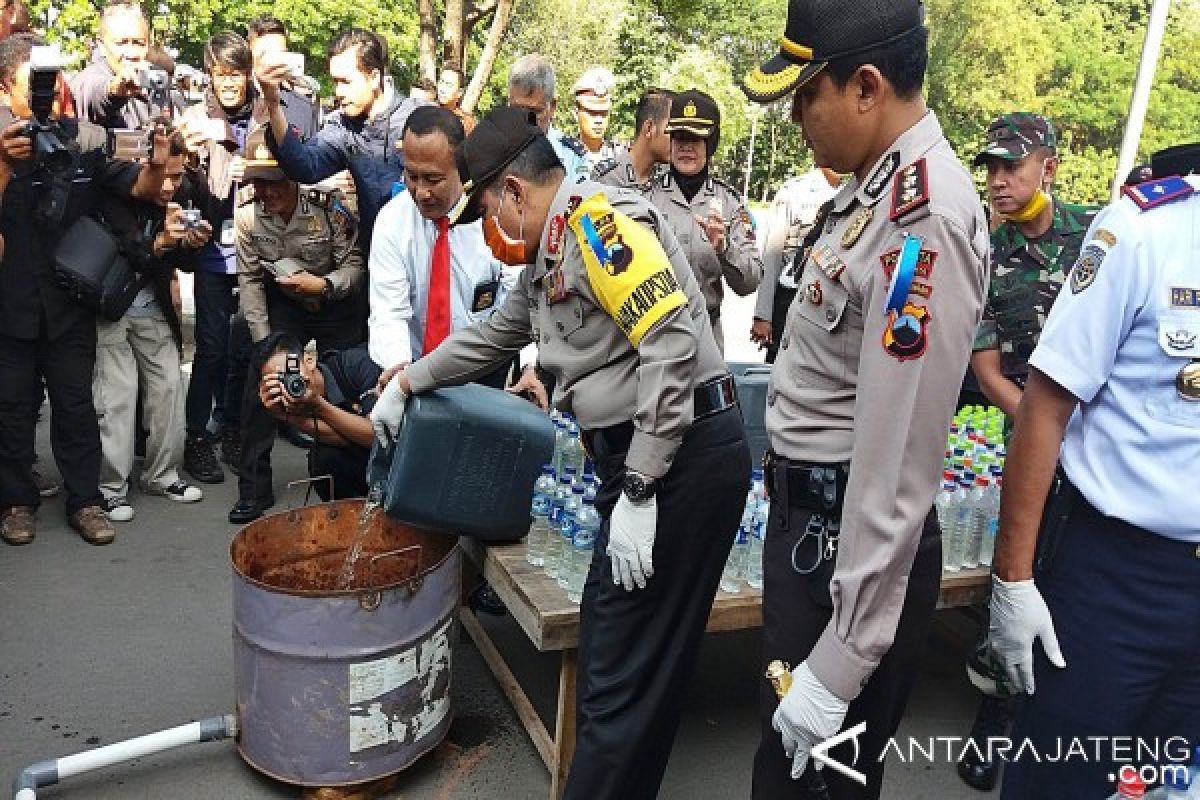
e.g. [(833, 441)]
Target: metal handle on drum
[(308, 483), (370, 600)]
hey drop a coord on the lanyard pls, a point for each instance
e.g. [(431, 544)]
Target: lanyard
[(902, 277)]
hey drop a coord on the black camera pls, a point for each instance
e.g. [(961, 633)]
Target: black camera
[(291, 379), (45, 64)]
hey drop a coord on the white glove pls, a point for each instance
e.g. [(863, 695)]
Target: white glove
[(1019, 615), (631, 541), (388, 414), (807, 715)]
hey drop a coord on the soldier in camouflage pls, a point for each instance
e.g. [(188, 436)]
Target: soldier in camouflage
[(1033, 250)]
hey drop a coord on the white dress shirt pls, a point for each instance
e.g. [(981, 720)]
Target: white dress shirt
[(398, 270), (1124, 325)]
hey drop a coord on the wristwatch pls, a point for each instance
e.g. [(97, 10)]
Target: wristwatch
[(638, 487)]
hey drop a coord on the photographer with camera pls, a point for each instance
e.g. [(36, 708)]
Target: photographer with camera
[(300, 273), (112, 90), (51, 179), (330, 400), (141, 350), (215, 133)]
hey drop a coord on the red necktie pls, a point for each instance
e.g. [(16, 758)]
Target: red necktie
[(437, 303)]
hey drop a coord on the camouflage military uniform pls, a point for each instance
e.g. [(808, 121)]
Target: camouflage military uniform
[(1026, 277)]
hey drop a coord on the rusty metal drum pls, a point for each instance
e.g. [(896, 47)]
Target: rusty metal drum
[(337, 686)]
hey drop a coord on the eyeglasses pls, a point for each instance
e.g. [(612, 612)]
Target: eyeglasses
[(229, 77)]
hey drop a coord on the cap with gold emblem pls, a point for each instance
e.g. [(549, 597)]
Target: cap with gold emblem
[(694, 112), (819, 31), (260, 162)]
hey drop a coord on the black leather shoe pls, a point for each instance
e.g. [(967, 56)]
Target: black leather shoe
[(200, 461), (977, 768), (485, 599), (249, 510)]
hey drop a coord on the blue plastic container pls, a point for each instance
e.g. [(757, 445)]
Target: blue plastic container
[(466, 461)]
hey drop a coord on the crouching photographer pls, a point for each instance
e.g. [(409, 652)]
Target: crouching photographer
[(140, 350), (330, 400), (53, 178)]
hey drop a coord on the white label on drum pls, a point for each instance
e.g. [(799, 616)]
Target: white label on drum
[(402, 697)]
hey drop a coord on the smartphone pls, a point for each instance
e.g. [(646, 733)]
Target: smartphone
[(294, 62)]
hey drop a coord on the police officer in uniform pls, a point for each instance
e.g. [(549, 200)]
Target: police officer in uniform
[(621, 324), (1109, 584), (301, 273), (646, 159), (1033, 249), (593, 106), (709, 217), (862, 393)]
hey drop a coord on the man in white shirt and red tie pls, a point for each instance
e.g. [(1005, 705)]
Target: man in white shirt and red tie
[(427, 278)]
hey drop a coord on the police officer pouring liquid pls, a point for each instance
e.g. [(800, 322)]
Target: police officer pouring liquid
[(1109, 583), (300, 273), (870, 362), (709, 217), (620, 323)]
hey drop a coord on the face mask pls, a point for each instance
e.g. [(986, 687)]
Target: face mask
[(506, 249)]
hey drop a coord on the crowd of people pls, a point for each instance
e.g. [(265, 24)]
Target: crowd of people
[(418, 246)]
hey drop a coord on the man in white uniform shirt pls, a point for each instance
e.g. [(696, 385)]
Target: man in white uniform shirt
[(414, 304)]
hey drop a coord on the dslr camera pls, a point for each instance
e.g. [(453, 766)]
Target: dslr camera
[(292, 381), (45, 64)]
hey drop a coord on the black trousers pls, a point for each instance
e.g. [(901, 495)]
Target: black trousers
[(1125, 609), (793, 620), (779, 311), (637, 650), (338, 326), (346, 465), (66, 365)]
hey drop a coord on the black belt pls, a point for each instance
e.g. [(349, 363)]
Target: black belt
[(810, 486), (713, 397)]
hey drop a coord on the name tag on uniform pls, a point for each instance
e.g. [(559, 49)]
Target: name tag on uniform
[(485, 296), (1185, 297)]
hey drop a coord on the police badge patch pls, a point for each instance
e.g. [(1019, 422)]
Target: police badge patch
[(906, 335), (1083, 274)]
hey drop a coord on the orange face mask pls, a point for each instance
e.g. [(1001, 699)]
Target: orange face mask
[(507, 250)]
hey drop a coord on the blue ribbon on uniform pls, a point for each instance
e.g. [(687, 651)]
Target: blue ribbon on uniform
[(593, 237), (906, 269)]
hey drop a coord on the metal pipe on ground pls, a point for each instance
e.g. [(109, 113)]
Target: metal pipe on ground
[(47, 773)]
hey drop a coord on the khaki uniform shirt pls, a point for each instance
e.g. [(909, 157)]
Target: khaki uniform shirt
[(321, 236), (619, 172), (739, 263), (856, 383), (617, 318)]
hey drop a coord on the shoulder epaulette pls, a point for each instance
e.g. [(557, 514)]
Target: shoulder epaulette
[(574, 145), (604, 167), (1153, 194), (910, 190)]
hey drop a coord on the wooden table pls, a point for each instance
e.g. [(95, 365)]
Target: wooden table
[(551, 622)]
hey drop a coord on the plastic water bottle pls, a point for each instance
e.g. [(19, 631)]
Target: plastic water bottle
[(977, 520), (944, 505), (569, 520), (554, 533), (573, 453), (560, 442), (587, 528), (758, 539), (988, 547), (543, 504), (734, 565)]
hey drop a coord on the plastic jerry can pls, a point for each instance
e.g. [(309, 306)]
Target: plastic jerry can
[(465, 462)]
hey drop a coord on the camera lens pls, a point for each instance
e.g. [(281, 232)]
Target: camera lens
[(294, 384)]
